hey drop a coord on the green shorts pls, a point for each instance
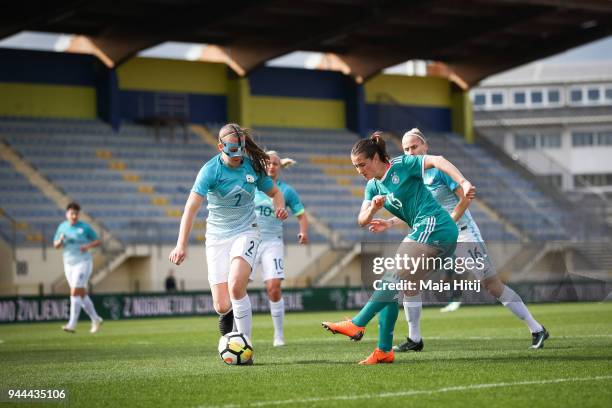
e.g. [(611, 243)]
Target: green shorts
[(440, 232)]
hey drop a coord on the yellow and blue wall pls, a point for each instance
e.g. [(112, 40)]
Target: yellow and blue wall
[(60, 85), (47, 85)]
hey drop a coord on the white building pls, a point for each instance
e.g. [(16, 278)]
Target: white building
[(556, 119)]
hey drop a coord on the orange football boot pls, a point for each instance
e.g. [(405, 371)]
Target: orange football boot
[(378, 356), (346, 327)]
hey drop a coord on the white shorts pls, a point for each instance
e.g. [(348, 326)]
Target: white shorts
[(471, 245), (219, 254), (78, 274), (270, 259)]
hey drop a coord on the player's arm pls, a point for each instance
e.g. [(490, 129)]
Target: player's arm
[(92, 244), (380, 225), (57, 243), (303, 222), (461, 206), (449, 168), (279, 202), (194, 202), (369, 208)]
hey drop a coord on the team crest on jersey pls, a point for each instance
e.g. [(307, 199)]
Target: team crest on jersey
[(395, 178), (250, 178), (80, 230)]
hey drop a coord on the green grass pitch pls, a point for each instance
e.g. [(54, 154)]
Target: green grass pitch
[(477, 356)]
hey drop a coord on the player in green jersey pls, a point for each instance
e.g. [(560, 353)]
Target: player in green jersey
[(397, 185)]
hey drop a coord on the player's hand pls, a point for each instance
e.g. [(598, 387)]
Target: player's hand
[(379, 225), (61, 238), (303, 238), (177, 256), (378, 202), (281, 214), (468, 189)]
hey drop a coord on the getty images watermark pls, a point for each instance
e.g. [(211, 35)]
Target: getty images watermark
[(412, 267), (394, 272)]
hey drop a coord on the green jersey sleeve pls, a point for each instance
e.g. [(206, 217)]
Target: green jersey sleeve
[(370, 191), (414, 165)]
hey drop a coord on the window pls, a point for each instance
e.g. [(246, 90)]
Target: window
[(479, 99), (497, 98), (609, 94), (582, 139), (550, 141), (537, 97), (576, 95), (519, 98), (554, 96), (524, 141), (593, 95), (597, 180), (604, 138)]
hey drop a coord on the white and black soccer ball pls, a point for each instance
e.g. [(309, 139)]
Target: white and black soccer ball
[(235, 349)]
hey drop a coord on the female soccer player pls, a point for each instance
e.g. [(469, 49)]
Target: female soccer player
[(397, 185), (271, 249), (228, 181), (77, 238), (450, 196)]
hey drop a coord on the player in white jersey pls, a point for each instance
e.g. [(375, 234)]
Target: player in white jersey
[(228, 181), (270, 255), (471, 245), (77, 238)]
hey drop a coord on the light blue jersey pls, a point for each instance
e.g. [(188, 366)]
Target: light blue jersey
[(74, 237), (443, 187), (230, 193), (270, 227)]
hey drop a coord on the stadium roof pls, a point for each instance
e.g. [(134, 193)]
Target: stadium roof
[(553, 73), (476, 38)]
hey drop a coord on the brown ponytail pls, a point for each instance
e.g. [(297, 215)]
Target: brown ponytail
[(256, 154), (371, 146)]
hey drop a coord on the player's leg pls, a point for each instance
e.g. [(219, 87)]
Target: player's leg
[(511, 300), (217, 259), (242, 255), (504, 294), (386, 324), (273, 273), (75, 298), (85, 270), (388, 316), (413, 306), (455, 300)]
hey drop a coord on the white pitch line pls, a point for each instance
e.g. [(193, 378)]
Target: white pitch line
[(408, 393), (506, 337)]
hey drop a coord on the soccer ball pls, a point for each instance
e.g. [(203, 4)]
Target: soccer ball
[(235, 349)]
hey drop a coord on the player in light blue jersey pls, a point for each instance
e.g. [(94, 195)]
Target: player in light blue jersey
[(76, 238), (450, 196), (270, 256), (229, 181)]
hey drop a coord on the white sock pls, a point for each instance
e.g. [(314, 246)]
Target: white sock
[(412, 308), (90, 309), (277, 310), (75, 311), (243, 315), (513, 301)]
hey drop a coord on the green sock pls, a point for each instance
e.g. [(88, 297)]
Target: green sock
[(377, 302), (386, 324)]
